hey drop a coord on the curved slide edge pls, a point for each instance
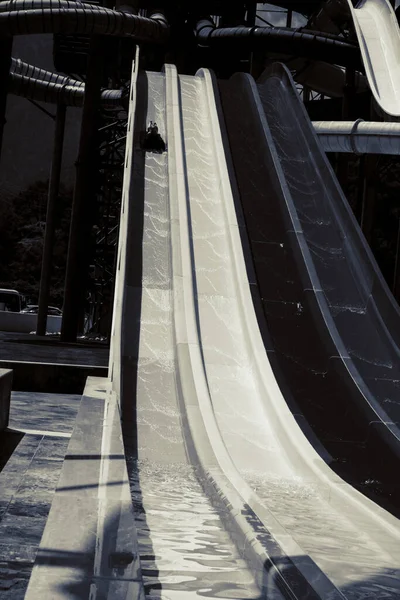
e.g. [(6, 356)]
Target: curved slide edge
[(367, 271), (203, 437), (384, 312), (383, 296), (297, 447), (378, 35), (267, 545)]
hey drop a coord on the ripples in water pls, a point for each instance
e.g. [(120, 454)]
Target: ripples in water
[(185, 551)]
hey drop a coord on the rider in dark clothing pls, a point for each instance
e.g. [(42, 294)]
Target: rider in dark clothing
[(153, 141)]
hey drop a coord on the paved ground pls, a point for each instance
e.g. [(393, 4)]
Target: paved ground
[(29, 348), (31, 457)]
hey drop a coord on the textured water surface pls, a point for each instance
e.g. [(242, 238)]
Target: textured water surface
[(185, 551)]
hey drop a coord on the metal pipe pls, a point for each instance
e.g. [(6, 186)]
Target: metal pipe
[(20, 67), (54, 186), (87, 19), (48, 91), (307, 44), (359, 137)]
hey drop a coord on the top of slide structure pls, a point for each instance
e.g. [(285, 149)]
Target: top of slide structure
[(305, 7), (378, 35), (203, 380)]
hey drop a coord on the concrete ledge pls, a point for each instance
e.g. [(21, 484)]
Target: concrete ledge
[(52, 378), (6, 377), (89, 545)]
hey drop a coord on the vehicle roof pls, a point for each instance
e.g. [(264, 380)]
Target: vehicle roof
[(7, 290)]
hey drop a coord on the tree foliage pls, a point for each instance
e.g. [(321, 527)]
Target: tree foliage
[(22, 227)]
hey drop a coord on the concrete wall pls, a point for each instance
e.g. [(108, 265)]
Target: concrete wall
[(5, 396), (25, 322)]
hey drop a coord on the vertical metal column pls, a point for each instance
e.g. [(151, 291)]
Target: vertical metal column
[(289, 17), (343, 159), (349, 93), (54, 186), (251, 13), (79, 247), (5, 62), (255, 58)]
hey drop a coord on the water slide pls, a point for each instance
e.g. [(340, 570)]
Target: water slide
[(375, 24), (378, 35), (231, 498), (344, 322)]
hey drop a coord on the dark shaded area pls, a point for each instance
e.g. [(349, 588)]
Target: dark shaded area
[(303, 359), (9, 441), (131, 328), (131, 315), (60, 379), (22, 222)]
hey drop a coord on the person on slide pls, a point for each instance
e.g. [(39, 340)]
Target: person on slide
[(153, 141)]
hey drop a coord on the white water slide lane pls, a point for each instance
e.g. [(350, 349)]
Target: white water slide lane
[(378, 35), (197, 389)]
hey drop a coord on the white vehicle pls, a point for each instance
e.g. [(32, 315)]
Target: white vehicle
[(34, 308), (11, 300)]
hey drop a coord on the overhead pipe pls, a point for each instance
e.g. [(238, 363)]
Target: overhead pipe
[(48, 91), (21, 67), (15, 5), (359, 137), (38, 84), (308, 44), (55, 16)]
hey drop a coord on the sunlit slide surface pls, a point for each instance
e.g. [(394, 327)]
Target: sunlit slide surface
[(378, 35), (199, 399)]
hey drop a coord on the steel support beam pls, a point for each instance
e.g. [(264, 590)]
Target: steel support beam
[(5, 64), (251, 13), (54, 186), (349, 94), (79, 247)]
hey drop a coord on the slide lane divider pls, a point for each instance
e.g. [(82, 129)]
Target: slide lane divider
[(274, 567)]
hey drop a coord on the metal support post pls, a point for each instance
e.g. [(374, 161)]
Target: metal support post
[(5, 62), (254, 56), (343, 159), (251, 14), (289, 17), (79, 247), (349, 91), (54, 186)]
